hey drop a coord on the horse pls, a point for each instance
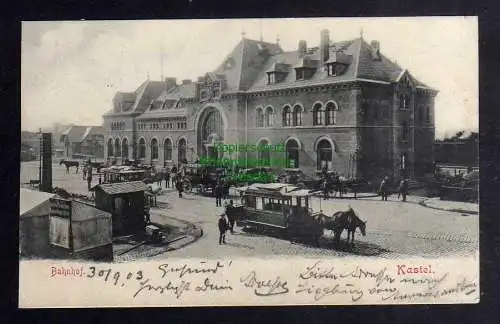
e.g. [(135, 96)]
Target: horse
[(69, 164), (340, 221)]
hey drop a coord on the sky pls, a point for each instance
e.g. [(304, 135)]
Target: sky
[(71, 70)]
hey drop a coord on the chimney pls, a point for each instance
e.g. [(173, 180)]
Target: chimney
[(302, 48), (186, 81), (324, 46), (375, 50), (170, 83)]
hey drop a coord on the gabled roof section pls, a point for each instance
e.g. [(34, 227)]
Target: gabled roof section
[(75, 134), (137, 101), (241, 67)]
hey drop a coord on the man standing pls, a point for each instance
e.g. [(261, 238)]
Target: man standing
[(218, 194), (167, 178), (384, 188), (230, 215), (178, 186), (222, 229), (403, 189), (324, 186)]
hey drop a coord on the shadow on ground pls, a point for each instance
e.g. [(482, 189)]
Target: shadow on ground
[(327, 243)]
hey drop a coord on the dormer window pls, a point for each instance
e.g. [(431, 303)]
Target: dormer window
[(301, 74), (330, 68), (271, 78)]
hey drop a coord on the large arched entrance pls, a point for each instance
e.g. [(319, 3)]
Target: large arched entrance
[(324, 154), (292, 153), (210, 132)]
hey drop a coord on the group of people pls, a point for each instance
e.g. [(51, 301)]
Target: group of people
[(384, 189), (226, 222)]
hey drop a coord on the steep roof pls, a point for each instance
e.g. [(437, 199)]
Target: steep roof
[(121, 187), (243, 64), (382, 70)]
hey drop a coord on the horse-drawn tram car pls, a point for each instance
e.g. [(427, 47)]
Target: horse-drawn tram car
[(281, 207), (116, 174)]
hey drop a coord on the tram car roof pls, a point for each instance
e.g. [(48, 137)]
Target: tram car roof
[(282, 189), (122, 169)]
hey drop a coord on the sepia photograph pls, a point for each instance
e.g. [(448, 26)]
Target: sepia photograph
[(309, 161)]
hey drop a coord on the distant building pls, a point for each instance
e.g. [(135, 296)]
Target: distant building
[(83, 140), (457, 155), (342, 104)]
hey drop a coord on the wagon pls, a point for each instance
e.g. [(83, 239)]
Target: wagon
[(279, 207), (122, 174)]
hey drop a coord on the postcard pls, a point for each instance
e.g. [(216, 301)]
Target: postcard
[(249, 162)]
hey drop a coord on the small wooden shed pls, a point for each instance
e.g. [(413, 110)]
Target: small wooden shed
[(126, 202), (78, 230)]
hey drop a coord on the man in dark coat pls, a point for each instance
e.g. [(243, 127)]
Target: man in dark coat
[(218, 194), (403, 189), (222, 229), (230, 215), (384, 188), (167, 178), (324, 186), (178, 186)]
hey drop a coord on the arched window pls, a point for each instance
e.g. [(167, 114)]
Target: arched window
[(428, 114), (167, 150), (292, 154), (182, 150), (142, 148), (259, 118), (117, 148), (269, 116), (264, 158), (331, 113), (125, 148), (324, 154), (110, 147), (287, 116), (154, 149), (404, 102), (297, 115), (318, 114)]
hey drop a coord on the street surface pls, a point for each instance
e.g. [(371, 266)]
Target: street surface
[(394, 229)]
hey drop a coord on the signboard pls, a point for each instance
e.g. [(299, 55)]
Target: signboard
[(60, 207), (59, 231)]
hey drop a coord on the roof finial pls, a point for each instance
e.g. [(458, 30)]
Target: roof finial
[(243, 34), (361, 33), (278, 39)]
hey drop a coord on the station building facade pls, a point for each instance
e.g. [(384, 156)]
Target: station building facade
[(342, 104)]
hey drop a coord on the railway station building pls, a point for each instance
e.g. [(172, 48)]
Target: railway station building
[(342, 104)]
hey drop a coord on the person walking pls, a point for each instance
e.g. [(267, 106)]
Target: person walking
[(384, 188), (324, 186), (223, 226), (230, 215), (178, 186), (403, 189)]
